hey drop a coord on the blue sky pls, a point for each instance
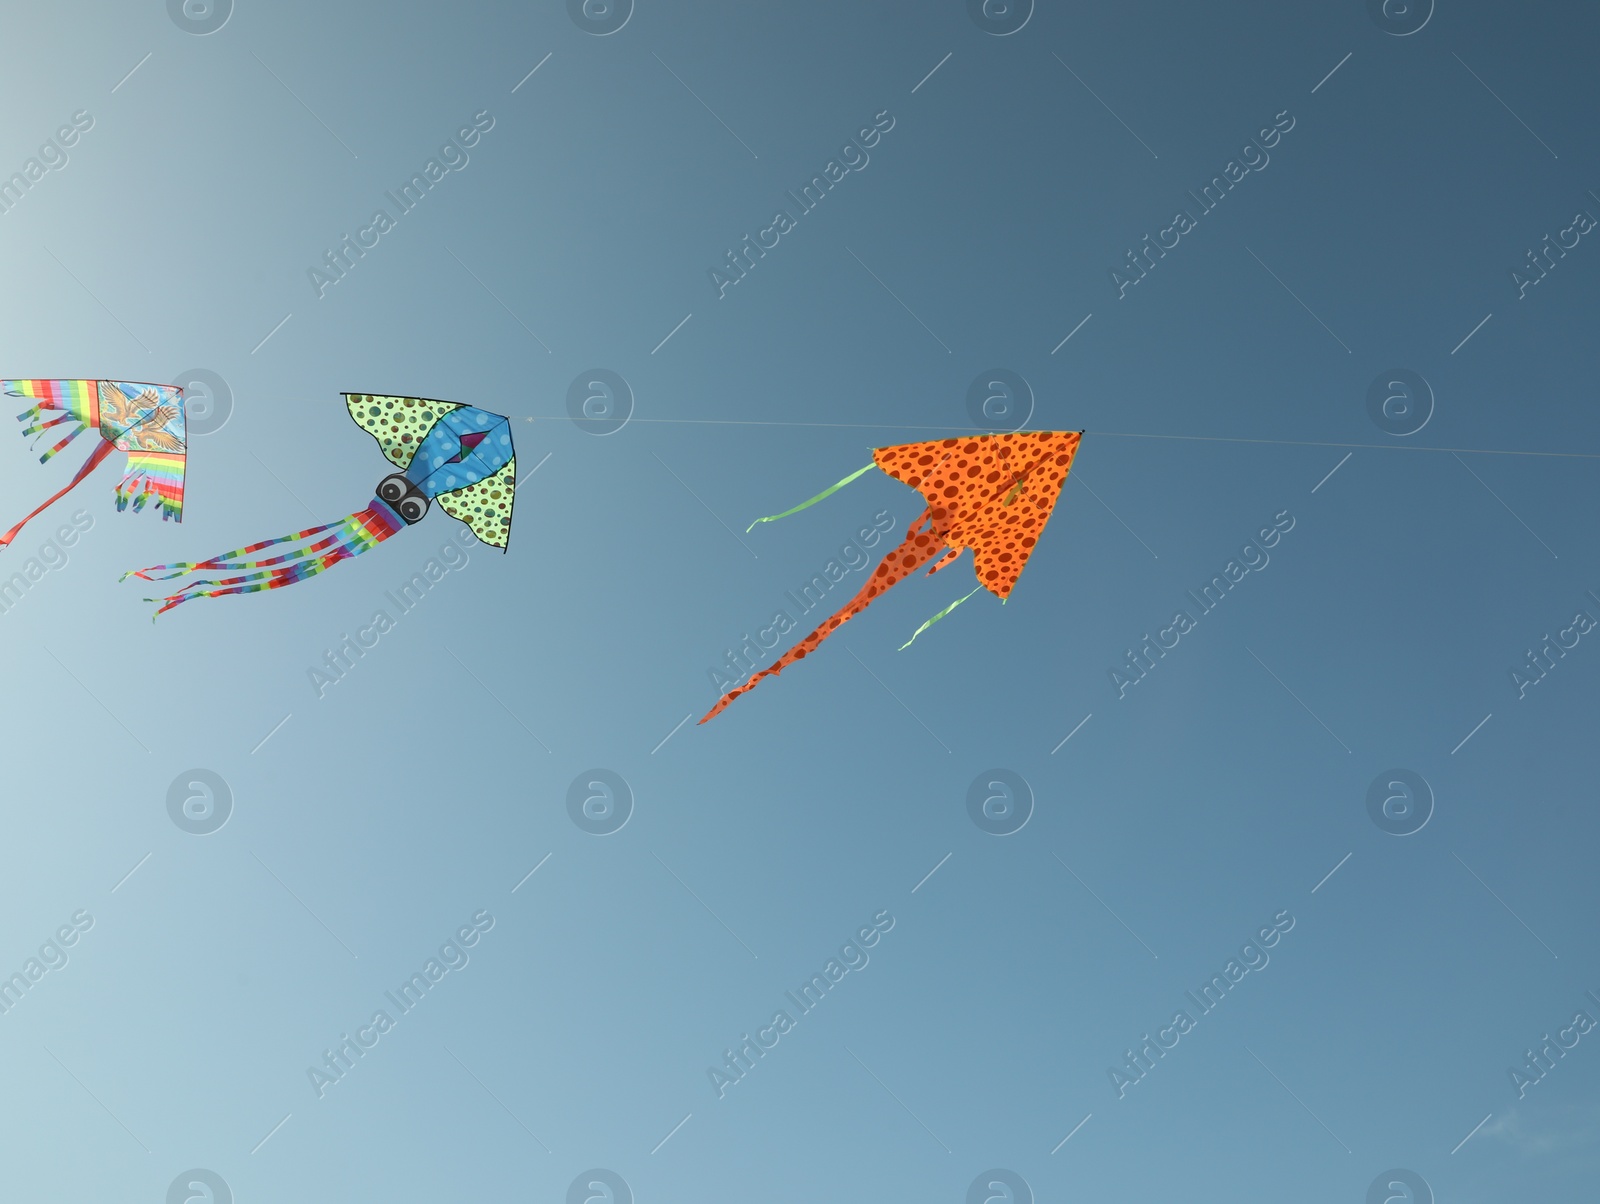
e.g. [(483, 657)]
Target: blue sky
[(1383, 189)]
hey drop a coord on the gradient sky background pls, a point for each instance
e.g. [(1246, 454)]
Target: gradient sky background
[(369, 824)]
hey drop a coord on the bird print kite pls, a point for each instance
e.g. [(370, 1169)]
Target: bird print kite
[(146, 421), (457, 455), (990, 493)]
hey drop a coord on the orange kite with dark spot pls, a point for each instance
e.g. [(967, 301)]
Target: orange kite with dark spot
[(990, 493)]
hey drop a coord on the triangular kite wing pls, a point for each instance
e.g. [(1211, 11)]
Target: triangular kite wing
[(486, 505), (468, 464), (399, 424), (990, 493)]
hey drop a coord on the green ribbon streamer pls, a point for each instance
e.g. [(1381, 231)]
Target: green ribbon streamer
[(810, 501), (935, 619)]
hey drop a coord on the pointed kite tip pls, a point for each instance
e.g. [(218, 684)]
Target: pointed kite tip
[(722, 705)]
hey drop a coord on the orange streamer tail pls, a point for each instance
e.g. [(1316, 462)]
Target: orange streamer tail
[(919, 546)]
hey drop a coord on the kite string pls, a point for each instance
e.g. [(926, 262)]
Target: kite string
[(963, 430), (1473, 451)]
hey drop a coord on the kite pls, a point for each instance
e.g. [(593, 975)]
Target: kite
[(990, 493), (144, 420), (456, 454)]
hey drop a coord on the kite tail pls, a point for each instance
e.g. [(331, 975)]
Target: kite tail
[(349, 536), (938, 616), (919, 546), (101, 451), (831, 489)]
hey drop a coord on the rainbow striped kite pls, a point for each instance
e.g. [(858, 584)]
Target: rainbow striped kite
[(144, 420)]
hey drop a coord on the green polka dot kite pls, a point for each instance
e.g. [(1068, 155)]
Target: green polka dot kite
[(457, 455)]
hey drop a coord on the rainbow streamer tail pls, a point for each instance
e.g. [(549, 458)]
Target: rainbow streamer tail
[(318, 548)]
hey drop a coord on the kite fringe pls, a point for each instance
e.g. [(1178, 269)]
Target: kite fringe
[(38, 428), (349, 536), (156, 475)]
